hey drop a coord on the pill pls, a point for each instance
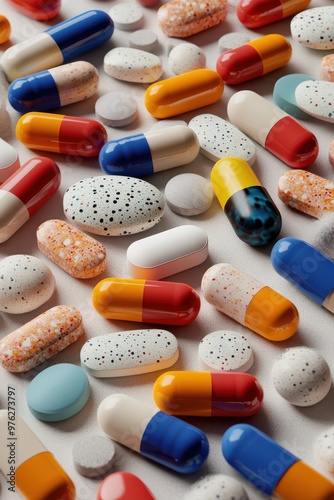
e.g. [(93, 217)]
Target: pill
[(284, 94), (116, 109), (189, 194), (26, 283), (54, 88), (183, 93), (121, 485), (232, 41), (5, 29), (301, 376), (58, 44), (247, 204), (331, 152), (37, 9), (186, 57), (309, 193), (219, 138), (181, 18), (225, 350), (32, 459), (132, 65), (270, 467), (93, 455), (324, 450), (149, 152), (255, 13), (327, 68), (205, 394), (323, 235), (168, 252), (50, 396), (9, 160), (146, 301), (70, 135), (249, 302), (40, 339), (133, 352), (25, 191), (307, 268), (127, 16), (114, 205), (273, 128), (216, 486), (75, 252), (149, 432), (313, 28), (315, 98), (144, 39), (167, 123), (253, 59)]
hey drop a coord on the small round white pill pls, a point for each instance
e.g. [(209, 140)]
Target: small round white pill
[(226, 350), (144, 40), (127, 16), (93, 455), (301, 376), (324, 450), (232, 41), (186, 57), (188, 194), (116, 109), (216, 487)]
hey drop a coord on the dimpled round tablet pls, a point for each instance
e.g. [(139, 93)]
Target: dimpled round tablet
[(144, 40), (216, 487), (314, 28), (116, 109), (186, 57), (226, 350), (189, 194), (127, 16), (58, 392), (301, 376), (93, 455), (324, 450), (113, 205), (25, 284), (232, 41), (284, 94)]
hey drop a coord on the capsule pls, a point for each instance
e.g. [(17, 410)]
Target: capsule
[(153, 433), (183, 93), (144, 154), (273, 128), (54, 88), (257, 13), (25, 191), (253, 59), (271, 468), (32, 469), (57, 45), (247, 204), (5, 29), (305, 267), (146, 301), (40, 10), (249, 302), (205, 394), (72, 135)]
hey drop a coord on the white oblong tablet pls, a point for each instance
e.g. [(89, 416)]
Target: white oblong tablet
[(316, 98), (132, 65), (226, 350), (324, 450), (132, 352), (93, 455), (314, 28), (216, 487), (167, 253), (127, 16), (116, 109), (189, 194)]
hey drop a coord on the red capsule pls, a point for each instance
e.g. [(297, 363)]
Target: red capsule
[(40, 10), (257, 13)]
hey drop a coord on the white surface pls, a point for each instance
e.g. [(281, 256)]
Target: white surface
[(295, 428)]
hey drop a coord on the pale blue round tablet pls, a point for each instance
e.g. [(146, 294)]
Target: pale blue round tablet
[(58, 392), (284, 94)]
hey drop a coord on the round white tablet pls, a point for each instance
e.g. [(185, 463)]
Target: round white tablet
[(324, 450), (186, 57), (232, 41), (216, 487), (225, 350), (144, 40), (93, 455), (188, 194), (116, 109), (127, 16)]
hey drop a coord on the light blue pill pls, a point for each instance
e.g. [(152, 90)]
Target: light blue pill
[(58, 392), (284, 94)]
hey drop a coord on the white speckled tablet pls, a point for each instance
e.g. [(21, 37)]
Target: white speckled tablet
[(25, 284), (116, 109), (301, 376), (167, 123), (186, 57), (129, 353), (216, 487), (316, 98), (93, 455), (218, 138), (127, 16), (324, 450), (113, 205), (132, 65), (314, 28), (232, 41), (144, 40), (226, 350), (189, 194)]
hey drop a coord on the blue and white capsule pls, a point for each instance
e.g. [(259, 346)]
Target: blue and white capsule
[(307, 268), (144, 154), (153, 433), (58, 45)]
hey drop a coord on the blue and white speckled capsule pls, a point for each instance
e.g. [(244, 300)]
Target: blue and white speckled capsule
[(216, 487), (113, 205), (316, 98), (129, 353), (25, 284), (314, 28)]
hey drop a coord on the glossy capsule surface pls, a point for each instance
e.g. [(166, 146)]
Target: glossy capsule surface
[(205, 394), (61, 134), (257, 13), (247, 204), (146, 301), (40, 10)]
